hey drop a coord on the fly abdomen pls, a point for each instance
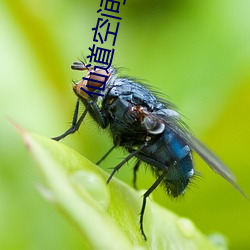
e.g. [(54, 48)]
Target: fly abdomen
[(177, 147), (178, 176), (180, 166)]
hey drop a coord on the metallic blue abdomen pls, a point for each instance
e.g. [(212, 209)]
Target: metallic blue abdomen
[(168, 153)]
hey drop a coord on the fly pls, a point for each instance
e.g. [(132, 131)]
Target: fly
[(149, 128)]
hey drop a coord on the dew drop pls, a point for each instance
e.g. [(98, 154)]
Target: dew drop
[(187, 227)]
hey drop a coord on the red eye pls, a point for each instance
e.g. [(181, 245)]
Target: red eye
[(99, 77), (102, 74)]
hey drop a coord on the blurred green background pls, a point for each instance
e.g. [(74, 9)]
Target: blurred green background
[(195, 52)]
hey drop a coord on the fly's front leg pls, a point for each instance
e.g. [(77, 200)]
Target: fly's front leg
[(97, 114), (93, 109), (75, 124)]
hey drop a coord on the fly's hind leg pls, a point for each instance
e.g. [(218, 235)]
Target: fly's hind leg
[(135, 169), (145, 196)]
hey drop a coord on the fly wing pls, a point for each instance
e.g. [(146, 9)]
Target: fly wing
[(208, 156), (175, 124)]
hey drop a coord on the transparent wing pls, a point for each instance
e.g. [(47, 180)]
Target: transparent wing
[(208, 156), (175, 124)]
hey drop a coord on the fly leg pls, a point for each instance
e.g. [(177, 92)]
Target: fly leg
[(125, 160), (75, 124), (145, 196), (91, 107), (135, 169), (105, 155), (97, 114)]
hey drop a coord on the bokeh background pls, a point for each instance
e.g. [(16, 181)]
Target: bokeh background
[(196, 52)]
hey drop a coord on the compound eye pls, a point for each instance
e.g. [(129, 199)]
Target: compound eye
[(153, 126), (98, 76), (95, 79)]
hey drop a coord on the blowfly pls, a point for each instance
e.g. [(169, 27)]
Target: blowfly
[(148, 127)]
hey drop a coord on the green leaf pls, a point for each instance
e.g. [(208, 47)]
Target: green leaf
[(107, 215)]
